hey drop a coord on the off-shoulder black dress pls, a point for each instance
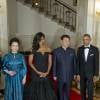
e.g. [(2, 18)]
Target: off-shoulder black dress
[(39, 88)]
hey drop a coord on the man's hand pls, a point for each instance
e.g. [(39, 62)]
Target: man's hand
[(24, 80), (78, 78), (55, 78), (94, 79), (75, 77)]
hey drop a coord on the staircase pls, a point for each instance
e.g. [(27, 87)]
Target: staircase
[(57, 10)]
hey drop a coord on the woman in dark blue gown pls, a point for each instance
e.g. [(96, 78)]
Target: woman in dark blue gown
[(14, 68), (39, 87)]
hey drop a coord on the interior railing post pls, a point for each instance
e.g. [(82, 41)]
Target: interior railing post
[(50, 5), (63, 13), (75, 21)]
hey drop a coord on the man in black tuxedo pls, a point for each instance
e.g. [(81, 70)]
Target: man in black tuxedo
[(64, 67), (88, 67)]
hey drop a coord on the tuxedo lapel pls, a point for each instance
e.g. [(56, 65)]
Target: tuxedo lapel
[(89, 53), (82, 52)]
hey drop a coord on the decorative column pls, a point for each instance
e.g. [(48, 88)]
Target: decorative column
[(3, 26), (97, 26), (3, 33)]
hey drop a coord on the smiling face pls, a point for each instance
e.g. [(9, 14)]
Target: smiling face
[(14, 47)]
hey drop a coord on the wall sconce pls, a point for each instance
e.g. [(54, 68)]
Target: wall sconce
[(97, 7)]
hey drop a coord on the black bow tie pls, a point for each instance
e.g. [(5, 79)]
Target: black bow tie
[(86, 47)]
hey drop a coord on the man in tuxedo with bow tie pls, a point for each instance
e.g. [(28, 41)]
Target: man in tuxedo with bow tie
[(64, 67), (88, 67)]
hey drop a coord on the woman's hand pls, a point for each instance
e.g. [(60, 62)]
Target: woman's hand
[(44, 74), (39, 73), (11, 73)]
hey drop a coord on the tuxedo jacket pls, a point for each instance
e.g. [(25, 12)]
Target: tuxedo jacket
[(91, 66)]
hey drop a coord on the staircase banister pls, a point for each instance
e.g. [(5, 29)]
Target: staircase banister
[(66, 5)]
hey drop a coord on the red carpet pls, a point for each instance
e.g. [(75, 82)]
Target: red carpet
[(75, 96)]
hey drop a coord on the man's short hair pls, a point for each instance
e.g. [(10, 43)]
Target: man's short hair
[(86, 35), (65, 36)]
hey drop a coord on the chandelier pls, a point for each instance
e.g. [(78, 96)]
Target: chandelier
[(36, 3)]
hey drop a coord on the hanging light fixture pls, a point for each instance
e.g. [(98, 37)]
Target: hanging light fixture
[(36, 2)]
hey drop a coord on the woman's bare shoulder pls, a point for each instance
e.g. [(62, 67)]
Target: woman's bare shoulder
[(49, 50)]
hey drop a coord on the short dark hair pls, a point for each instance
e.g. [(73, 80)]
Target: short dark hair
[(14, 40), (65, 36), (86, 35)]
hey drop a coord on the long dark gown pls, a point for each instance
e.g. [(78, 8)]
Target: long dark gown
[(39, 88)]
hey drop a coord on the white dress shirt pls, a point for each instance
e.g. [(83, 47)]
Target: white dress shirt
[(86, 51)]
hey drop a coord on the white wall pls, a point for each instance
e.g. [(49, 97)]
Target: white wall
[(82, 16), (30, 22), (11, 16), (91, 17)]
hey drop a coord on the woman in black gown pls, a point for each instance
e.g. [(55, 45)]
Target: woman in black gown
[(39, 87)]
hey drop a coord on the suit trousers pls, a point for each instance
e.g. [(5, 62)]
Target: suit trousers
[(86, 86), (64, 90)]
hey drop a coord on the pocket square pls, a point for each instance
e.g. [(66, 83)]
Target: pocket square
[(91, 54)]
